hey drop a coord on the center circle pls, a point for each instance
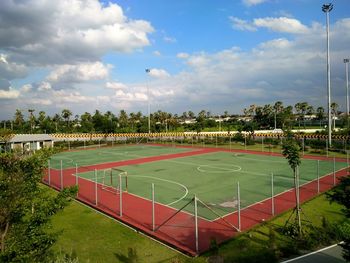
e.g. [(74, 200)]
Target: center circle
[(223, 168)]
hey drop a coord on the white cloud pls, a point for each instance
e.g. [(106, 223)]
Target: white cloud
[(130, 96), (253, 2), (277, 24), (282, 24), (26, 88), (182, 55), (157, 53), (64, 97), (70, 31), (44, 86), (159, 73), (241, 24), (198, 60), (169, 39), (38, 101), (10, 70), (279, 43), (116, 85), (79, 73), (9, 94), (3, 58)]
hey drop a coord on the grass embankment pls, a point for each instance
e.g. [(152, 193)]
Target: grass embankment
[(97, 238)]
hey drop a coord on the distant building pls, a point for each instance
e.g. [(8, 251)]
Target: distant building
[(28, 142)]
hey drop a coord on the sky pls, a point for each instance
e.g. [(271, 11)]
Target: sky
[(208, 55)]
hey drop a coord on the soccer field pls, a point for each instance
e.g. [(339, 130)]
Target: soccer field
[(212, 176)]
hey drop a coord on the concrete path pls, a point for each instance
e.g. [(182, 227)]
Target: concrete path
[(331, 254)]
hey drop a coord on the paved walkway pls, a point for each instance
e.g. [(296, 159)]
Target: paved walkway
[(331, 254)]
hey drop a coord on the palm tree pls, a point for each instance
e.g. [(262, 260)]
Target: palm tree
[(320, 114), (123, 119), (31, 119), (57, 119), (334, 108), (278, 107), (191, 115), (19, 119), (66, 114)]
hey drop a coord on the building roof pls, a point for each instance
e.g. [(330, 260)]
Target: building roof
[(31, 138)]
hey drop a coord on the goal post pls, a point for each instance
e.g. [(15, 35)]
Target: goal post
[(110, 179)]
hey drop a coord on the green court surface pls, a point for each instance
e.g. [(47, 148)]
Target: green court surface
[(109, 154), (213, 178)]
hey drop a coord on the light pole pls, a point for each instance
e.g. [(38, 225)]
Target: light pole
[(346, 61), (149, 105), (327, 8)]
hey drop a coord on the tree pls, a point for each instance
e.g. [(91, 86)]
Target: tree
[(86, 122), (291, 150), (18, 119), (320, 113), (66, 114), (123, 119), (278, 108), (57, 120), (31, 119), (26, 208), (334, 109), (191, 115)]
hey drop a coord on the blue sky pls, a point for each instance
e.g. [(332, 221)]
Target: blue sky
[(213, 55)]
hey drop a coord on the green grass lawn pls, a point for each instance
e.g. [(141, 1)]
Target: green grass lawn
[(97, 238)]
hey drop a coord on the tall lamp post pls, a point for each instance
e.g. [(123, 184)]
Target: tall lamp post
[(149, 105), (346, 61), (327, 8)]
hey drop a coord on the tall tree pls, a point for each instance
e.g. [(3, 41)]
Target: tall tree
[(278, 108), (31, 119), (18, 119), (86, 122), (123, 119), (191, 114), (66, 114), (291, 150), (334, 109), (320, 113)]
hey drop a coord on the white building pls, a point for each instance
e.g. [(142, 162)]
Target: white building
[(30, 142)]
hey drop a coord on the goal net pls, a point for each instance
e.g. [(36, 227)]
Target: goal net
[(115, 180)]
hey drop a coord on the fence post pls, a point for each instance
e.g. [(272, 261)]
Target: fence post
[(61, 174), (153, 219), (262, 143), (96, 201), (196, 221), (318, 176), (230, 143), (272, 196), (120, 196), (77, 178), (333, 170), (245, 141), (49, 171), (327, 148), (239, 207)]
